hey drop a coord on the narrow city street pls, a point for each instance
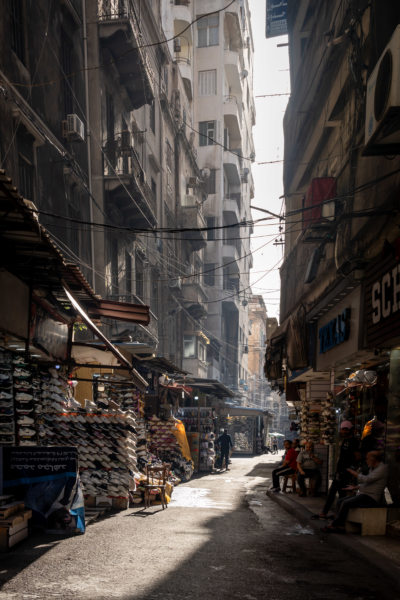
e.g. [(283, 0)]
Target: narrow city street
[(221, 537)]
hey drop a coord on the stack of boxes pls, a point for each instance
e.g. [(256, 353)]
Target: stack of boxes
[(14, 519)]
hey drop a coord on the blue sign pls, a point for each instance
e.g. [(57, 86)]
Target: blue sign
[(276, 22), (335, 332)]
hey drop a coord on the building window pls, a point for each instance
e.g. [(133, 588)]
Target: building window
[(67, 81), (189, 346), (211, 222), (17, 28), (139, 277), (208, 31), (209, 273), (202, 352), (114, 267), (153, 117), (207, 131), (211, 182), (128, 276), (208, 83)]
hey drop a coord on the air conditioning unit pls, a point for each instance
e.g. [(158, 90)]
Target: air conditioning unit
[(193, 182), (382, 113), (177, 45), (73, 129), (175, 284)]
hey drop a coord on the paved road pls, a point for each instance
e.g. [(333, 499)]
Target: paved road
[(220, 538)]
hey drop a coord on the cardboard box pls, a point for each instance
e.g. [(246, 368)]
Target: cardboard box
[(16, 518), (10, 509), (120, 503), (9, 536)]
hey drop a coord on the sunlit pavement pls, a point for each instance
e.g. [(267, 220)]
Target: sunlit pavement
[(221, 537)]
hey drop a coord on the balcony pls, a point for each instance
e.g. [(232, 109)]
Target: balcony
[(183, 57), (125, 182), (121, 37), (183, 17), (233, 112), (234, 28), (230, 296), (233, 71), (230, 250), (232, 167), (233, 202), (194, 298), (192, 218)]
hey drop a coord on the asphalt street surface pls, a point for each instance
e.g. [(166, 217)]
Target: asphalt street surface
[(221, 538)]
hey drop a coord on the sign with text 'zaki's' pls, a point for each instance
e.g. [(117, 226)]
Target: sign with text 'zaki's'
[(335, 332)]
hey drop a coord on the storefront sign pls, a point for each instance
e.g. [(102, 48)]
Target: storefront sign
[(46, 478), (385, 295), (382, 303), (335, 332), (276, 23)]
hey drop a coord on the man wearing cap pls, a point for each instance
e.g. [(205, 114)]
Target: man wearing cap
[(349, 457)]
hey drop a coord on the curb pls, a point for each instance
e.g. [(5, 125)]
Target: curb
[(389, 569)]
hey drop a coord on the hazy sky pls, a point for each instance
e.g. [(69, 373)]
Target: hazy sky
[(271, 76)]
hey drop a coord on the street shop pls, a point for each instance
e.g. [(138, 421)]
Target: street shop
[(246, 427), (46, 416)]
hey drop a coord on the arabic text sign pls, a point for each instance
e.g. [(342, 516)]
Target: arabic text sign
[(276, 23)]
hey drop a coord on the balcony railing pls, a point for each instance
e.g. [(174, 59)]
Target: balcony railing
[(120, 30)]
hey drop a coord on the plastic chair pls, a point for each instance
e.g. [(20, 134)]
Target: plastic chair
[(156, 479)]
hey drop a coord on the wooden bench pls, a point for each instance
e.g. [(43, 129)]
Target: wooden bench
[(371, 520)]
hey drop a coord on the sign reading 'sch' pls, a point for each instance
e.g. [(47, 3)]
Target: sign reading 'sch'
[(385, 295), (335, 332)]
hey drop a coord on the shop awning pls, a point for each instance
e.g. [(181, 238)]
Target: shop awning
[(243, 411), (210, 386), (138, 379), (120, 311), (29, 253)]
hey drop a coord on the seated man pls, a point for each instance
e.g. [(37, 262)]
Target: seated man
[(370, 491), (288, 466), (307, 466)]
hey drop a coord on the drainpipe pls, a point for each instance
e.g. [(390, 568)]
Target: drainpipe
[(88, 138)]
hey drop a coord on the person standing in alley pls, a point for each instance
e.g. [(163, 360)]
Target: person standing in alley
[(274, 445), (349, 457), (225, 444)]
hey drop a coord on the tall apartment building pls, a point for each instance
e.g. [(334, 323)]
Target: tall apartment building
[(104, 110), (259, 387), (224, 117)]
